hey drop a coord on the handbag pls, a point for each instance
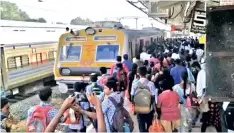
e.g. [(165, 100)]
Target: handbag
[(156, 125), (192, 100)]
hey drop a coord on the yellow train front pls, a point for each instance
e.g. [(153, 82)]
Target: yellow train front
[(87, 50)]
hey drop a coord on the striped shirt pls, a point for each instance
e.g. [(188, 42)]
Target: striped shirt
[(108, 108)]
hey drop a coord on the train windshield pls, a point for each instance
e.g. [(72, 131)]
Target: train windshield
[(107, 52), (70, 53)]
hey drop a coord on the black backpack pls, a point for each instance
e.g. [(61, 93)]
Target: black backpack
[(122, 121)]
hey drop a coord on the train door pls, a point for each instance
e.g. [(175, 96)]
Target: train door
[(130, 51), (151, 40), (141, 46)]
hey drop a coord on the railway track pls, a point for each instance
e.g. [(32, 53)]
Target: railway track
[(19, 97)]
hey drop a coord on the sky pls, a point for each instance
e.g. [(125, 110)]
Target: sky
[(96, 10)]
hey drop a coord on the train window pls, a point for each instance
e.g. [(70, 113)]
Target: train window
[(70, 53), (18, 61), (39, 57), (25, 60), (107, 52), (51, 55), (44, 56), (11, 62)]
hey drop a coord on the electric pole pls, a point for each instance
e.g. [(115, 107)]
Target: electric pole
[(136, 22)]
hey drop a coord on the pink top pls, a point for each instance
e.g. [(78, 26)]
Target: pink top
[(168, 101), (155, 60)]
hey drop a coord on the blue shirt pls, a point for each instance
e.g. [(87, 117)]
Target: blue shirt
[(128, 63), (176, 73), (108, 109)]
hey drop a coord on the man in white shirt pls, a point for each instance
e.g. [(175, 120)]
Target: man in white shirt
[(201, 81), (144, 56), (175, 55), (199, 53)]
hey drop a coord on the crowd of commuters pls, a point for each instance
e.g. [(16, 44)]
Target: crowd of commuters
[(171, 76)]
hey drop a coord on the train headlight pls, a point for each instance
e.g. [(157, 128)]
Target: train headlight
[(65, 71), (90, 31)]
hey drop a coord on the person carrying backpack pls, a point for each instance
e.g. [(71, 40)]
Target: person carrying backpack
[(119, 61), (40, 116), (121, 76), (117, 118), (144, 97)]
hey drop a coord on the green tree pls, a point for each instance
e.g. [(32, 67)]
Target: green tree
[(80, 21), (10, 11), (41, 20)]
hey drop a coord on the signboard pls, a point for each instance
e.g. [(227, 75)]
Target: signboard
[(76, 39), (105, 38), (198, 24), (226, 2)]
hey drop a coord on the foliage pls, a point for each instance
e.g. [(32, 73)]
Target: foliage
[(41, 20), (10, 11), (80, 21)]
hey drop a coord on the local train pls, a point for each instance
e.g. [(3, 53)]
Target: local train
[(27, 65), (87, 50)]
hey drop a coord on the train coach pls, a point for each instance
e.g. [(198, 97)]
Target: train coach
[(23, 64), (27, 66), (87, 50)]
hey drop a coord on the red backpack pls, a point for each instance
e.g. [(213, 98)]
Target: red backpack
[(39, 119)]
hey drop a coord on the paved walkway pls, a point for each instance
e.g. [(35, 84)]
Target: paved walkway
[(136, 129)]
